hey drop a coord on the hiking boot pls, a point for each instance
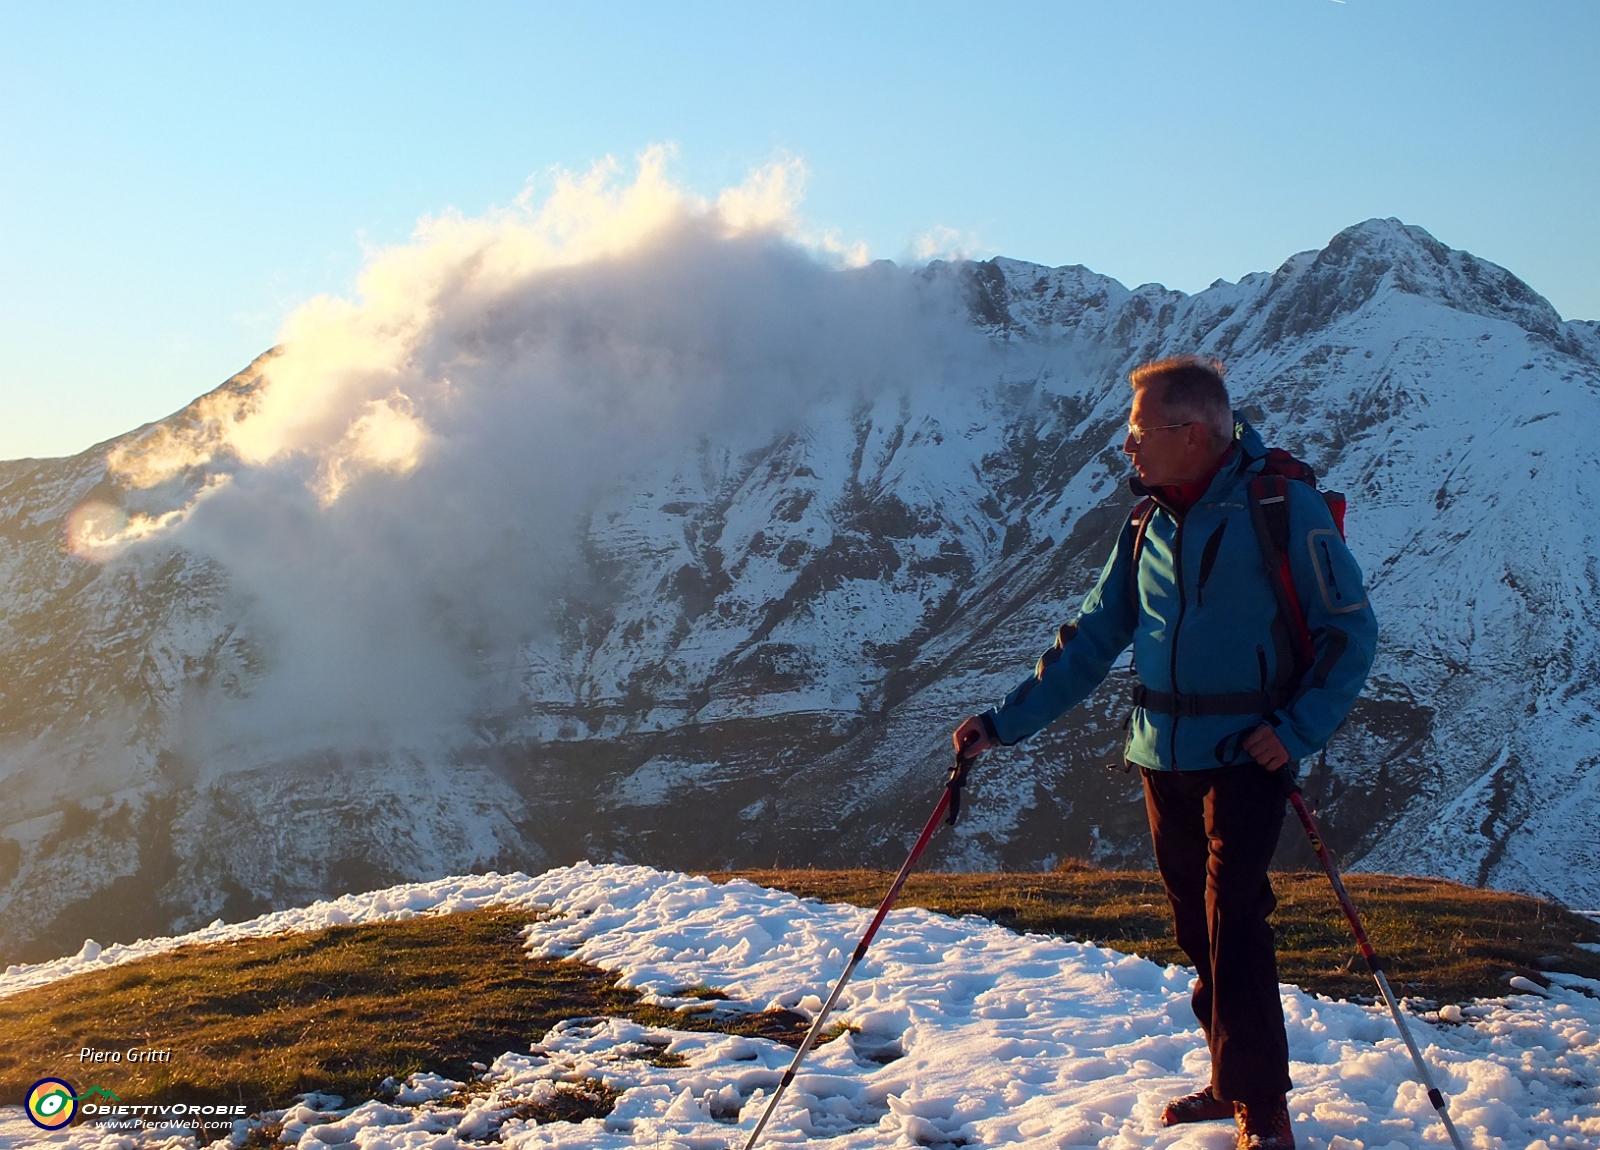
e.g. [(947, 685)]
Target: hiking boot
[(1201, 1106), (1264, 1125)]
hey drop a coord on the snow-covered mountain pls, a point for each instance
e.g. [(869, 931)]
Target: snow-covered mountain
[(757, 647)]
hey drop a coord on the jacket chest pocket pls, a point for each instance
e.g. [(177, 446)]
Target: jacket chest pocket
[(1208, 560)]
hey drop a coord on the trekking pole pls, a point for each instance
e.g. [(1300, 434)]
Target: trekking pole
[(949, 800), (1291, 787)]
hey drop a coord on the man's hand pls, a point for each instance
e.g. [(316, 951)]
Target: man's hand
[(1264, 747), (970, 739)]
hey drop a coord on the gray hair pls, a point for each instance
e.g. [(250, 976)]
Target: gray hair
[(1189, 389)]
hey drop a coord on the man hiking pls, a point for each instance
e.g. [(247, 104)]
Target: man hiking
[(1230, 692)]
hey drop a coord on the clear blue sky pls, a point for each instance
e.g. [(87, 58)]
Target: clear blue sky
[(175, 178)]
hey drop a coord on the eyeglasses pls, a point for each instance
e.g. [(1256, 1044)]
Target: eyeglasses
[(1137, 434)]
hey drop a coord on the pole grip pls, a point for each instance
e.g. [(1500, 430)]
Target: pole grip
[(957, 778)]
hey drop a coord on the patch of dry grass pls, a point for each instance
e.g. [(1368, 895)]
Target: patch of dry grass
[(1442, 940), (337, 1011)]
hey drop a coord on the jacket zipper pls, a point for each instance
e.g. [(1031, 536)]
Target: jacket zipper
[(1177, 568)]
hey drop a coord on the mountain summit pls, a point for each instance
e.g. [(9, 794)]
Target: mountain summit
[(238, 674)]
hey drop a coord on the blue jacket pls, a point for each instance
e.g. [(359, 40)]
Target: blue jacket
[(1204, 621)]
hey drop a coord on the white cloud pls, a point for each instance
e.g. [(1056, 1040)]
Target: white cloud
[(943, 243), (395, 500)]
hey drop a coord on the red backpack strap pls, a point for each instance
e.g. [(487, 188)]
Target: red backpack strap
[(1278, 462), (1269, 511)]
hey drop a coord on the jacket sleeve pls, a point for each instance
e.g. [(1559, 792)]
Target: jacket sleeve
[(1082, 655), (1344, 630)]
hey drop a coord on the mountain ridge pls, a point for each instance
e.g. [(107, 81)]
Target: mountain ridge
[(760, 649)]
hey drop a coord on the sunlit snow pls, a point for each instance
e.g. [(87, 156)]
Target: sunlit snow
[(965, 1033)]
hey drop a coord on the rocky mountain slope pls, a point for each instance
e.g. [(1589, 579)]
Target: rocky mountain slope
[(759, 648)]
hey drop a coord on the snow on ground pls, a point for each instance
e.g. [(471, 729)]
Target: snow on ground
[(966, 1034)]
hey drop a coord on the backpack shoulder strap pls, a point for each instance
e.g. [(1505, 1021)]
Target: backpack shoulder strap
[(1141, 522), (1139, 519), (1269, 512), (1278, 463)]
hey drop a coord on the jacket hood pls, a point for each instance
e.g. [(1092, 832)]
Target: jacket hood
[(1247, 437)]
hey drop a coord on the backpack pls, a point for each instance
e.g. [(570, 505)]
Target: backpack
[(1268, 494)]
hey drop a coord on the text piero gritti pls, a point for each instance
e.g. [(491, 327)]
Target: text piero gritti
[(131, 1054)]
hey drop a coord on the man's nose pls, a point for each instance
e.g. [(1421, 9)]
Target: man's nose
[(1129, 444)]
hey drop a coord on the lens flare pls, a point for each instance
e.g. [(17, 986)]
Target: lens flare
[(100, 531), (92, 527)]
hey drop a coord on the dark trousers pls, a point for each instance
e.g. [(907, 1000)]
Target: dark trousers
[(1214, 834)]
